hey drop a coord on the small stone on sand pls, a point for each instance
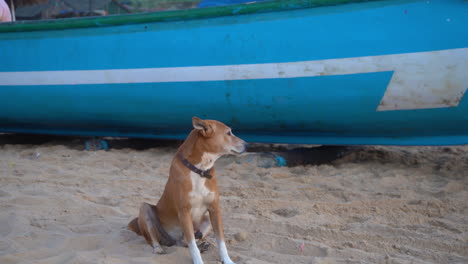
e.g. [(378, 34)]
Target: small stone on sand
[(286, 212), (241, 236)]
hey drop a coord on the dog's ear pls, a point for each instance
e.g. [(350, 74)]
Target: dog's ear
[(202, 126)]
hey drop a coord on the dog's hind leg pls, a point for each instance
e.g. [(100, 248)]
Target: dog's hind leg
[(151, 229), (203, 231), (205, 227), (133, 225)]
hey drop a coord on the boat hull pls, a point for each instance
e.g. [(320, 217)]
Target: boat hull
[(384, 72)]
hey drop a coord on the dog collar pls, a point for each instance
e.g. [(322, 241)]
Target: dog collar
[(202, 173)]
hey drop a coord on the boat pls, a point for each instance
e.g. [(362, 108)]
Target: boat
[(328, 72)]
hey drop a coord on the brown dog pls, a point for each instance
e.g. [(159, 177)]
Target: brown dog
[(189, 205)]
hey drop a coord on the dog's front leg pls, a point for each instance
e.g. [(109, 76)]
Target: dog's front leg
[(185, 219), (217, 224)]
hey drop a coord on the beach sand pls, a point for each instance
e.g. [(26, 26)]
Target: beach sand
[(61, 204)]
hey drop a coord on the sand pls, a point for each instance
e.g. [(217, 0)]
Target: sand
[(61, 204)]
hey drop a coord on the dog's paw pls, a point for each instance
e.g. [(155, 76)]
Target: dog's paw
[(204, 246), (228, 261), (158, 250)]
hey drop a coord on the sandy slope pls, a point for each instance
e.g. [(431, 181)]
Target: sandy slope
[(376, 205)]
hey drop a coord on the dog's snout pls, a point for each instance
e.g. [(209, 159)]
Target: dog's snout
[(243, 146), (238, 146)]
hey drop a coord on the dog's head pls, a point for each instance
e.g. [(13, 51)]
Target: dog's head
[(216, 137)]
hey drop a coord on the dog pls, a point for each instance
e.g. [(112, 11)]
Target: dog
[(189, 206)]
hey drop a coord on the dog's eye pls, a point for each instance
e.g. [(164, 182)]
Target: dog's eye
[(229, 133)]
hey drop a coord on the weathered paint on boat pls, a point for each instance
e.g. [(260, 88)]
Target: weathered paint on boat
[(375, 72)]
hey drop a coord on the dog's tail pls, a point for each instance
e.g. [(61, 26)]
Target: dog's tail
[(133, 225)]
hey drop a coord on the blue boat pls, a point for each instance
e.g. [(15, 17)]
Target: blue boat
[(292, 71)]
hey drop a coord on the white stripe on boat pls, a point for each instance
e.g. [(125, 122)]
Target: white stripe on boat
[(421, 80)]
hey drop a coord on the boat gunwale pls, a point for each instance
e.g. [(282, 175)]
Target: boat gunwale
[(166, 16)]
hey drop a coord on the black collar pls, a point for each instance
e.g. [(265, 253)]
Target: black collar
[(202, 173)]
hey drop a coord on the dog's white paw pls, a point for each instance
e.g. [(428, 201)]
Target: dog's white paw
[(158, 250), (228, 261)]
